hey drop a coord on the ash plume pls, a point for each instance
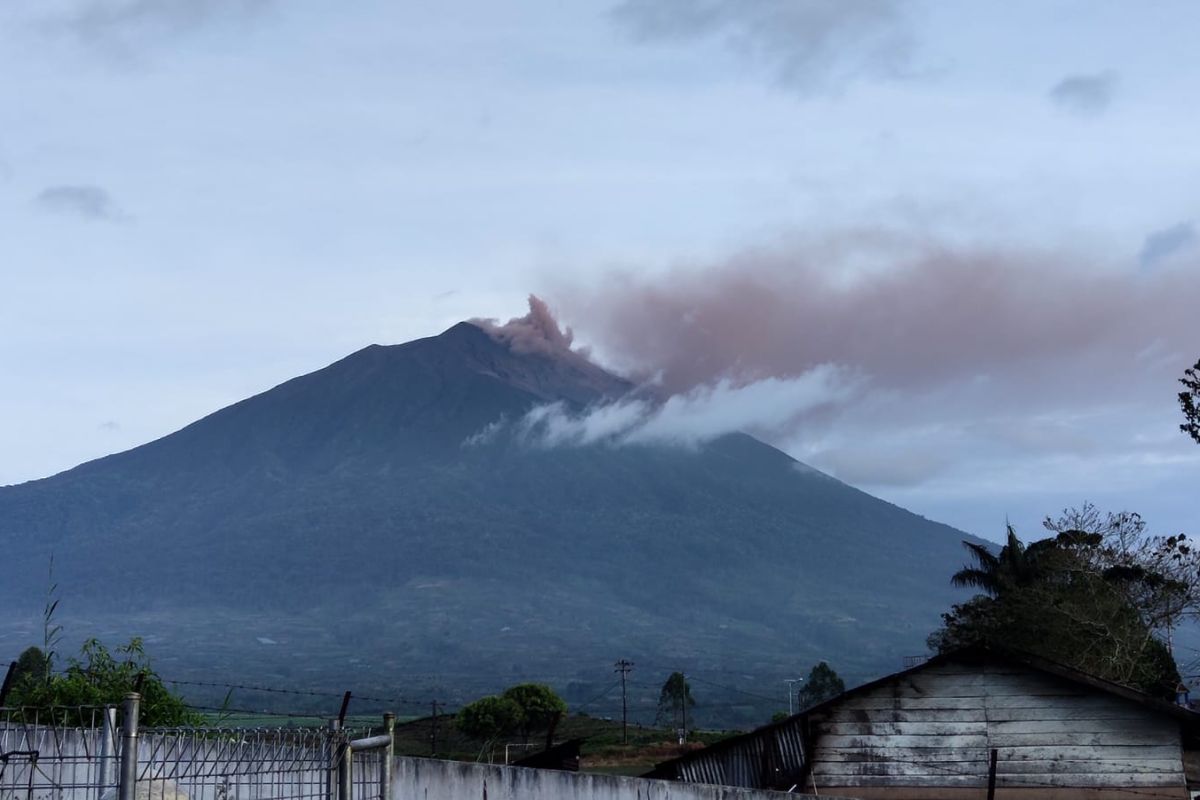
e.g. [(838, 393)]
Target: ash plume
[(908, 314), (648, 414), (992, 359), (536, 332)]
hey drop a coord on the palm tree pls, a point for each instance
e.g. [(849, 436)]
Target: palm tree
[(1014, 566)]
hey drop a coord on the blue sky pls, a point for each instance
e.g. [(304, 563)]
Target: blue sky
[(202, 198)]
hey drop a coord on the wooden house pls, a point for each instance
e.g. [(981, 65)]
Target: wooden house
[(935, 731)]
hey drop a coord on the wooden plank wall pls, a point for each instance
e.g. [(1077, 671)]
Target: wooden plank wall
[(936, 727)]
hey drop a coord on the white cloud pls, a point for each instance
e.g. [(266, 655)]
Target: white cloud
[(768, 406)]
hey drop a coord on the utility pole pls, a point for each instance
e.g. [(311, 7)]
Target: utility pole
[(433, 706), (791, 685), (624, 668), (683, 738)]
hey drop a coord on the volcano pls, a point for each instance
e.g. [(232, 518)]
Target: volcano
[(353, 521)]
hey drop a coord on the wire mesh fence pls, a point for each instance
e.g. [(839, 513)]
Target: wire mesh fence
[(366, 773), (80, 754), (58, 754), (229, 763)]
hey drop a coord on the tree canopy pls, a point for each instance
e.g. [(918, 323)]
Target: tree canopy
[(540, 707), (96, 677), (489, 717), (674, 700), (524, 708), (1189, 402), (1098, 595), (822, 684)]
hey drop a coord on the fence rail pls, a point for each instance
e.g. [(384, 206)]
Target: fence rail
[(100, 754)]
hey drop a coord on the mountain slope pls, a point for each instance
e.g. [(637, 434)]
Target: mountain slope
[(350, 511)]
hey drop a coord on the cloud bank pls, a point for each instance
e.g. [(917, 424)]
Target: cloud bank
[(805, 44)]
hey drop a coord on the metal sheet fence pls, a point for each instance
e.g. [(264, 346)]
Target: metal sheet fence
[(77, 754), (772, 757)]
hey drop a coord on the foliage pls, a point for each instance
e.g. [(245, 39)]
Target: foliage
[(821, 684), (539, 706), (1098, 596), (674, 701), (100, 677), (32, 665), (525, 708), (1189, 402), (488, 718), (51, 631)]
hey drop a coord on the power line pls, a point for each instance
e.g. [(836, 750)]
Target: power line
[(580, 708), (298, 692)]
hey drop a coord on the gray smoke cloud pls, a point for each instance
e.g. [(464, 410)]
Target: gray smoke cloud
[(1086, 95), (86, 202), (806, 44)]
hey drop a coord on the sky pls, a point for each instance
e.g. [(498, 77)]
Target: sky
[(946, 252)]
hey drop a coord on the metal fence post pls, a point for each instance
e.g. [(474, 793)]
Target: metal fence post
[(127, 789), (345, 778), (331, 788), (108, 746), (385, 769)]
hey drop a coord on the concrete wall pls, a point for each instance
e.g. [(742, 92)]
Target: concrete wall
[(426, 779)]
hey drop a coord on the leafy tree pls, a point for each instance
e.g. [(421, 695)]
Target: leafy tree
[(539, 707), (1189, 402), (1099, 596), (821, 684), (32, 666), (489, 718), (674, 700), (100, 677)]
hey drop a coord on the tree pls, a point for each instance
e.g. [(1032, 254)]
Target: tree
[(1014, 567), (489, 718), (100, 677), (539, 707), (1099, 595), (821, 684), (1189, 402), (32, 666), (674, 700)]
